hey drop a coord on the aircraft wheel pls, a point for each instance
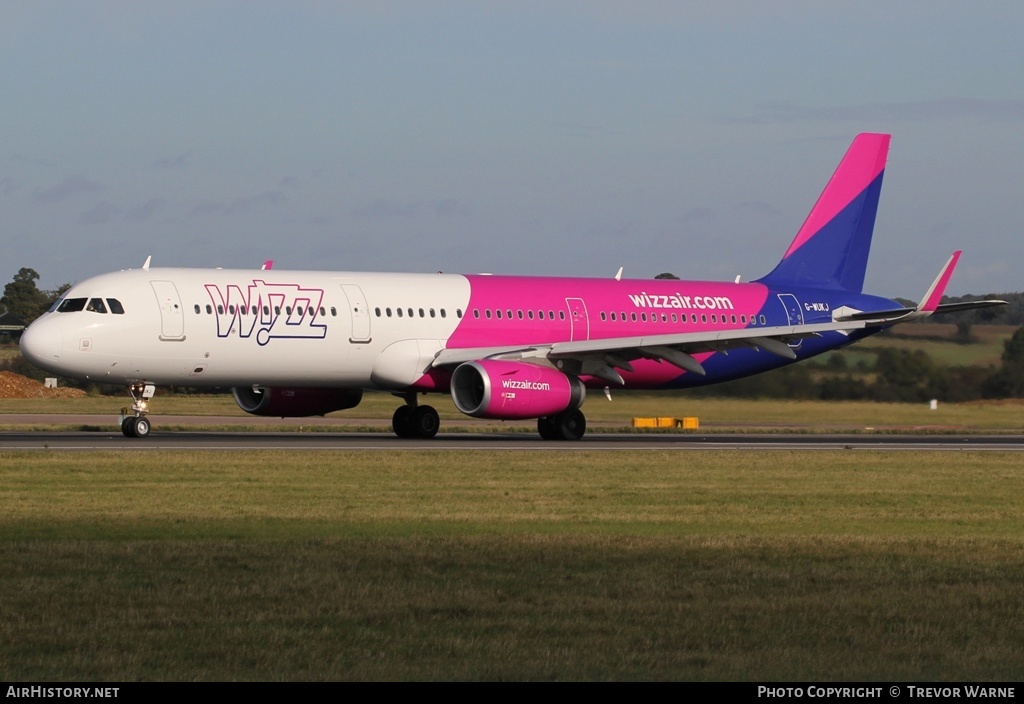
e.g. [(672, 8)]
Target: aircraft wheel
[(548, 429), (140, 427), (572, 425), (126, 427), (402, 422), (425, 422)]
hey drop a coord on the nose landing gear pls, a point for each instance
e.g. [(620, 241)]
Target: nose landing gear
[(137, 425)]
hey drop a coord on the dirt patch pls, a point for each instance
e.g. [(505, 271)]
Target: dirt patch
[(17, 386)]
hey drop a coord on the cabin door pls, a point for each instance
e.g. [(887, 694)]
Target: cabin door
[(794, 313), (359, 313), (172, 318), (580, 323)]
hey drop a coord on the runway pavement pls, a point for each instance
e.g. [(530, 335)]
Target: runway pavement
[(497, 441)]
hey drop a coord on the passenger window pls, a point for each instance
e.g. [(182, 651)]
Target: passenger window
[(443, 314), (458, 312), (220, 309), (498, 313), (334, 312), (197, 309), (377, 311), (519, 314), (530, 314), (115, 306), (432, 313), (387, 311), (399, 311), (421, 313)]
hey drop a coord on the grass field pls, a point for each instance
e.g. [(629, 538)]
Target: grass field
[(938, 340), (823, 566)]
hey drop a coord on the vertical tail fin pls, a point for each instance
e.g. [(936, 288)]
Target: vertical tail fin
[(831, 249)]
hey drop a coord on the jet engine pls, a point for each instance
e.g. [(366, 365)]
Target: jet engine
[(294, 403), (513, 390)]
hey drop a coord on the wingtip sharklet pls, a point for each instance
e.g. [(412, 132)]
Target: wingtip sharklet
[(930, 303)]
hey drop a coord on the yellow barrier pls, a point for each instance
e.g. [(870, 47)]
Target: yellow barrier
[(688, 423)]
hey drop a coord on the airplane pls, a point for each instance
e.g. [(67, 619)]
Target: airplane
[(307, 343)]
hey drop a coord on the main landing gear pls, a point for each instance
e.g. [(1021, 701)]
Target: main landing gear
[(415, 421), (570, 425), (137, 425)]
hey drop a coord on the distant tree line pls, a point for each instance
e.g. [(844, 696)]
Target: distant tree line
[(23, 298), (895, 376)]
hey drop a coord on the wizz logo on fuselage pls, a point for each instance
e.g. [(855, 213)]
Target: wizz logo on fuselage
[(271, 311)]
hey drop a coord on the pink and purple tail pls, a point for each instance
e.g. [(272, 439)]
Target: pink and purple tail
[(831, 249)]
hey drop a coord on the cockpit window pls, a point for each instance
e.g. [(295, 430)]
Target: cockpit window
[(115, 306), (71, 305), (96, 305)]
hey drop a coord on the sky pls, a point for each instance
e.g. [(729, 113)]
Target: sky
[(551, 138)]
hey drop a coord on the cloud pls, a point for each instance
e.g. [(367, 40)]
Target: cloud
[(445, 208), (752, 208), (8, 186), (910, 111), (239, 205), (244, 205), (450, 208), (384, 208), (698, 214), (146, 210), (100, 214), (175, 162), (68, 188)]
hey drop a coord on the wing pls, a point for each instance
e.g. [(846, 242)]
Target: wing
[(601, 358)]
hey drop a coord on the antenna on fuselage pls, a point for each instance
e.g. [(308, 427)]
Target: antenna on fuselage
[(618, 274), (267, 265), (737, 279), (145, 266)]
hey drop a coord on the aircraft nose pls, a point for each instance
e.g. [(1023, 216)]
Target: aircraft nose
[(41, 344)]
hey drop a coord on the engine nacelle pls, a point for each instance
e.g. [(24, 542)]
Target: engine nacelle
[(294, 403), (512, 390)]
